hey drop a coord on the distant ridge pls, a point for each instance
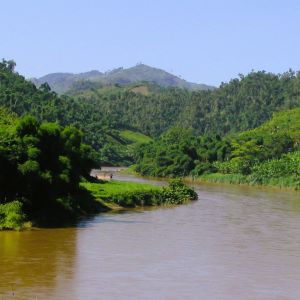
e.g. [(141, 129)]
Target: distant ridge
[(62, 82)]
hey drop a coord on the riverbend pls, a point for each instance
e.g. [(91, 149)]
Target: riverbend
[(233, 243)]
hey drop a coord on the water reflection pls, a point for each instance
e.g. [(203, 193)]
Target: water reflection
[(35, 263)]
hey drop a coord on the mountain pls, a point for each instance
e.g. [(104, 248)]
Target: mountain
[(62, 82)]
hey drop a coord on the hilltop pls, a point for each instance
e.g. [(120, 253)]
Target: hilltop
[(62, 82)]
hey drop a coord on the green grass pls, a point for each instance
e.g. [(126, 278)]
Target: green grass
[(111, 188), (283, 182), (224, 178), (120, 194), (288, 182), (135, 137)]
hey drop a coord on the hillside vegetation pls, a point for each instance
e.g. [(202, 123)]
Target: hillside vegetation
[(101, 130), (268, 154), (105, 113), (239, 105)]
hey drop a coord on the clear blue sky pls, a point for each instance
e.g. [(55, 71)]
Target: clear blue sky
[(203, 41)]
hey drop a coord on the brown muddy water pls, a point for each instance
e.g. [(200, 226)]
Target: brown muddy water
[(233, 243)]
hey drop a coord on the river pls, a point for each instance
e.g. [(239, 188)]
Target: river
[(233, 243)]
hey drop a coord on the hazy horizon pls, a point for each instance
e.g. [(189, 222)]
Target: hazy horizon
[(202, 42)]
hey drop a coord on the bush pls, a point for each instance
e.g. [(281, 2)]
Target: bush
[(288, 166), (234, 166), (178, 192), (11, 215)]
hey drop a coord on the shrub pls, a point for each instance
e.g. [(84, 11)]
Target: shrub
[(233, 166), (11, 215), (287, 166)]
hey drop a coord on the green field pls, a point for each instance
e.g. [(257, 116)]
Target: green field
[(108, 189), (135, 137)]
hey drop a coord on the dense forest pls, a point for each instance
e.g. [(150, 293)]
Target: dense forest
[(112, 143), (269, 154), (243, 103), (42, 165)]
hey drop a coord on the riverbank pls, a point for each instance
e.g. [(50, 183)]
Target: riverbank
[(93, 198), (289, 183), (122, 194)]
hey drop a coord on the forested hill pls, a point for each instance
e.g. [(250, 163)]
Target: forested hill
[(241, 104), (113, 144), (111, 115), (62, 82)]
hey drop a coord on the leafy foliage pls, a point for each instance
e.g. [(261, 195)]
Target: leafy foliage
[(286, 166), (11, 215), (178, 153), (40, 162)]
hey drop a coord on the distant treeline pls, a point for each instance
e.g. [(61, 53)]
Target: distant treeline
[(243, 103)]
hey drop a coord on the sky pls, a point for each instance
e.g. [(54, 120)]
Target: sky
[(203, 41)]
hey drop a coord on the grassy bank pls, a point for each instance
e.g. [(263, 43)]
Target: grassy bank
[(119, 194), (92, 198), (287, 182)]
